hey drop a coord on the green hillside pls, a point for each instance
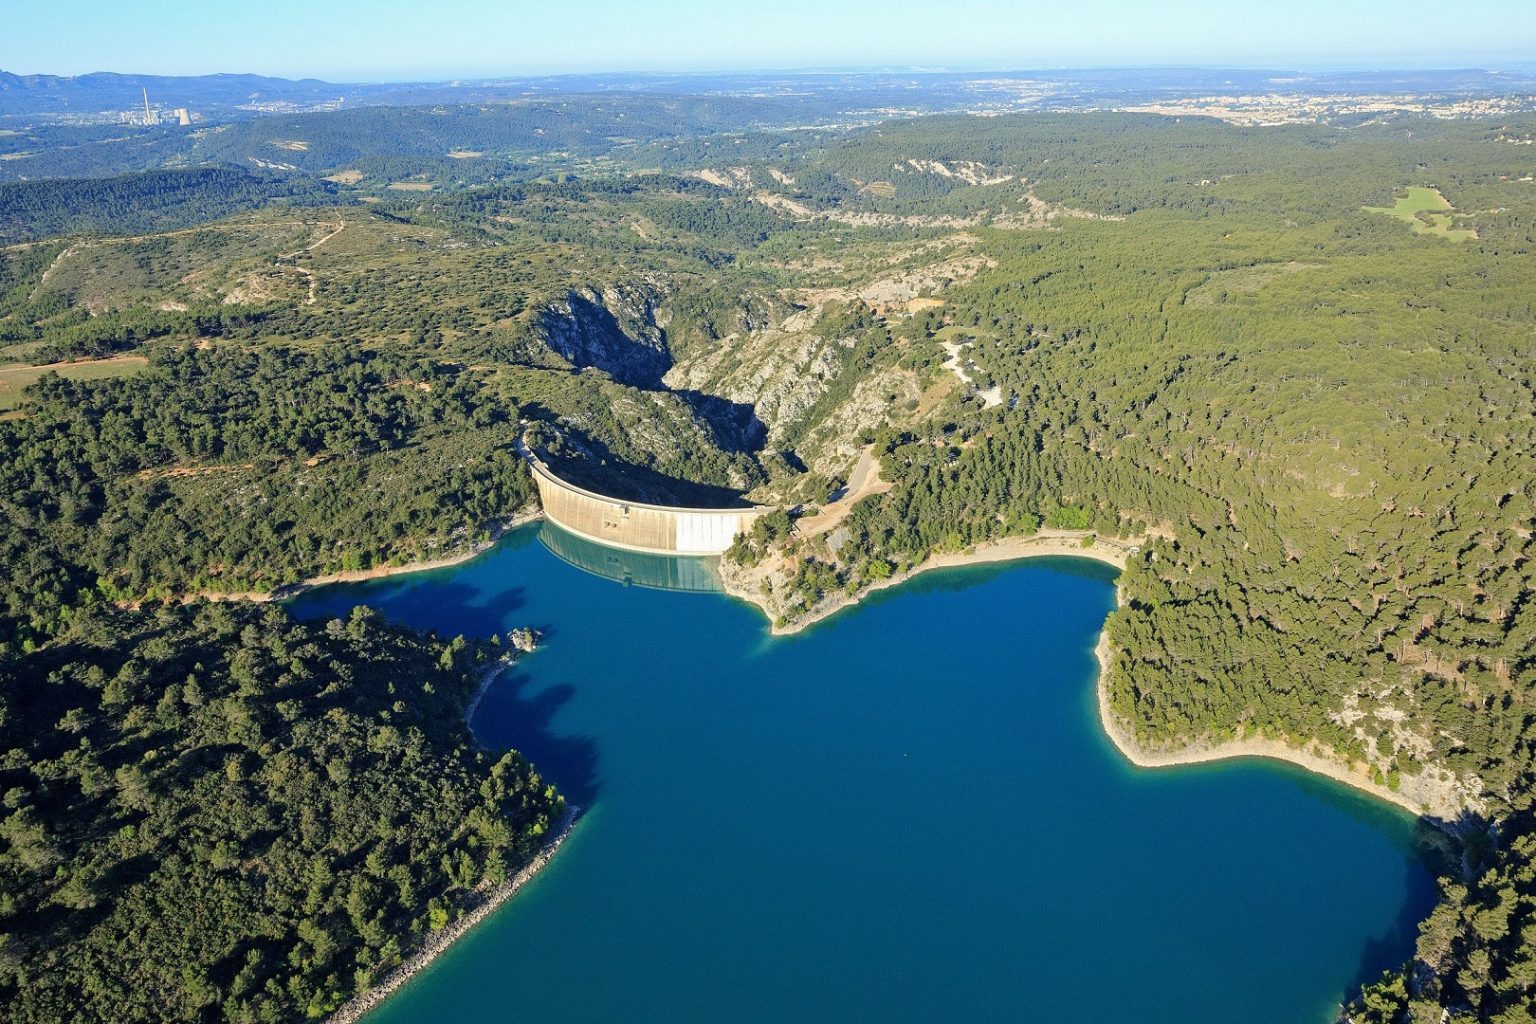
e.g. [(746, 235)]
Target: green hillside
[(1312, 407)]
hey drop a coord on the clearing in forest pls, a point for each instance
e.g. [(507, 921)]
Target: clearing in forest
[(1426, 211), (863, 482), (14, 378), (955, 340)]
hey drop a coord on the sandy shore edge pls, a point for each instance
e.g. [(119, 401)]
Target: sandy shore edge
[(439, 941)]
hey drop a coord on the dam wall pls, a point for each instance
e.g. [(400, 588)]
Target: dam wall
[(635, 526)]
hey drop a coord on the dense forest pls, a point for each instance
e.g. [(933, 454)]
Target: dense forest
[(1317, 422), (234, 470), (138, 203), (218, 813)]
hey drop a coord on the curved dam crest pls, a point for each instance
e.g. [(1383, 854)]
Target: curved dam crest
[(638, 526)]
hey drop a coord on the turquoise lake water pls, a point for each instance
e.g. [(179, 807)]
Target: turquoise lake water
[(907, 813)]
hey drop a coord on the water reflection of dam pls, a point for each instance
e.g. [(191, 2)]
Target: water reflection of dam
[(637, 568)]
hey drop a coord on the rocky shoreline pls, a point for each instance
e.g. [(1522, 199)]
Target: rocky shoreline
[(484, 904), (483, 684), (1141, 757), (524, 641)]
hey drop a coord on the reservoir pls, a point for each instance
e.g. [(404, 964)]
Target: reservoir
[(907, 813)]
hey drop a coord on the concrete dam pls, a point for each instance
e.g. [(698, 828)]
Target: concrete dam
[(635, 526)]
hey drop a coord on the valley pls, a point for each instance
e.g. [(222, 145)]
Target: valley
[(1293, 407)]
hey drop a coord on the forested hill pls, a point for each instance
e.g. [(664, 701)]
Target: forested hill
[(142, 203), (217, 813), (470, 140), (241, 471)]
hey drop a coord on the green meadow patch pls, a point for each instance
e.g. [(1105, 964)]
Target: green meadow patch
[(1426, 211), (14, 378)]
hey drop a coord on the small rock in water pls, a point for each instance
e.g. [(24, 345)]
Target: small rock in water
[(526, 639)]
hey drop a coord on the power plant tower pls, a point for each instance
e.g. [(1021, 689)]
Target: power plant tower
[(149, 115)]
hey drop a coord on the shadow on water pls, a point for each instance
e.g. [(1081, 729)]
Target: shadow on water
[(1385, 952), (509, 716), (1438, 846), (445, 607), (420, 597), (512, 717), (471, 610)]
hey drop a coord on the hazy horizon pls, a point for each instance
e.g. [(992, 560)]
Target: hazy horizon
[(393, 41), (446, 77)]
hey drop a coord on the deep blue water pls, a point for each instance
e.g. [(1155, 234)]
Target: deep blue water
[(906, 813)]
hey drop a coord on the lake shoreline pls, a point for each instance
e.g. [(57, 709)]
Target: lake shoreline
[(440, 941), (1440, 804), (1077, 589), (1436, 799), (499, 530), (483, 902), (1046, 544), (1128, 746)]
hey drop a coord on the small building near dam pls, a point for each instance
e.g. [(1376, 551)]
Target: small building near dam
[(635, 526)]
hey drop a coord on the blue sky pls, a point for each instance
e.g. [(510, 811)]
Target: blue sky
[(437, 39)]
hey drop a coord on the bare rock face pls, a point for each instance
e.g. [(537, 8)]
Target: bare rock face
[(738, 372), (833, 440), (618, 330), (755, 385), (782, 371)]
